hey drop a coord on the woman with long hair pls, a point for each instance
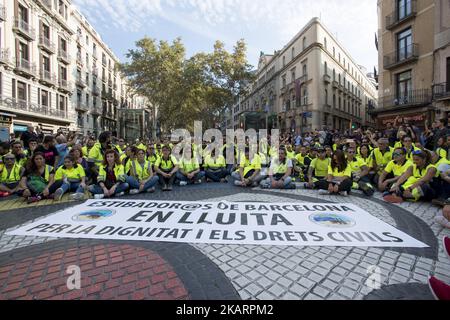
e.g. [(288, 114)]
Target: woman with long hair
[(38, 179), (111, 180), (339, 176), (414, 184)]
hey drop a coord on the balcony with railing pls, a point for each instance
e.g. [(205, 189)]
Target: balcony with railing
[(64, 85), (2, 13), (24, 28), (80, 82), (79, 59), (335, 84), (441, 91), (95, 91), (47, 5), (420, 97), (403, 56), (326, 78), (80, 106), (25, 67), (401, 14), (5, 57), (64, 56), (96, 111), (22, 106), (95, 72), (47, 77), (46, 44)]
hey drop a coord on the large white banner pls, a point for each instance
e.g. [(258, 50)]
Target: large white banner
[(290, 224)]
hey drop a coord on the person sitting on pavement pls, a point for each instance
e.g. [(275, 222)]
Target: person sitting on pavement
[(381, 155), (128, 157), (279, 173), (301, 163), (189, 168), (339, 176), (71, 178), (38, 179), (141, 178), (407, 143), (10, 176), (360, 173), (215, 167), (248, 174), (89, 144), (152, 156), (111, 179), (392, 173), (414, 184), (318, 169), (19, 153), (166, 167)]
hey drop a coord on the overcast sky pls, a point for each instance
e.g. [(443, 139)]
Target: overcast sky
[(266, 25)]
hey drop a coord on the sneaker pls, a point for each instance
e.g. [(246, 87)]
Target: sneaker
[(344, 193), (199, 181), (183, 183), (77, 196), (169, 187), (58, 194), (290, 186), (446, 243), (439, 289), (151, 190), (134, 191), (99, 196), (366, 188), (324, 192), (238, 183), (120, 194), (164, 187), (33, 199)]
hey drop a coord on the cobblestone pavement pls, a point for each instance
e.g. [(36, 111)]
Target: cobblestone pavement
[(204, 271)]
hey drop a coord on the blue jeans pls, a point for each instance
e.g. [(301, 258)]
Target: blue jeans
[(72, 186), (196, 177), (216, 175), (96, 189), (134, 183)]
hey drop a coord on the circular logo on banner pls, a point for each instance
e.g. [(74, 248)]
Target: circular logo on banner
[(332, 220), (93, 215)]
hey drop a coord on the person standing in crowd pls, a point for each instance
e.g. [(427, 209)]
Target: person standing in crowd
[(70, 177), (280, 172), (27, 135), (440, 130), (38, 179), (32, 145), (141, 178), (49, 150), (339, 176), (166, 167), (111, 180), (10, 176)]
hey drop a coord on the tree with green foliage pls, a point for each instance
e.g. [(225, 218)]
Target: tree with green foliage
[(187, 90)]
